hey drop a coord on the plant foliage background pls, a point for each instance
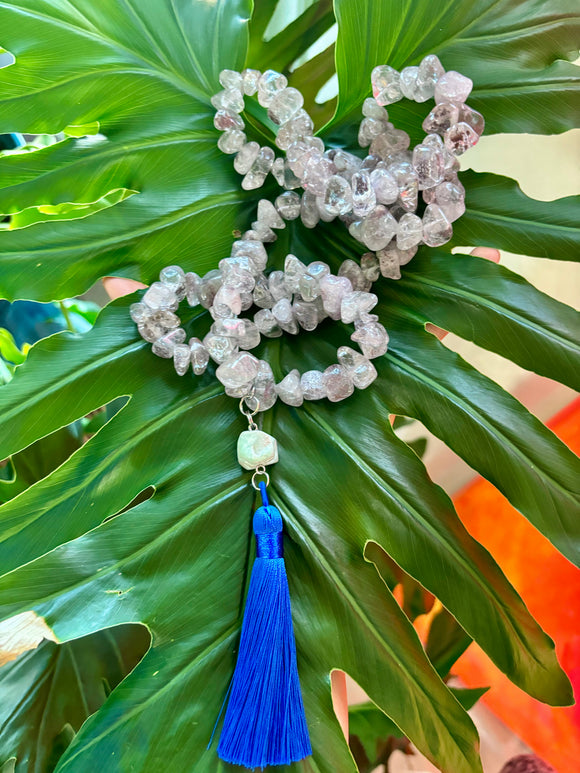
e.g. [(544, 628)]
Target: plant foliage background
[(149, 521)]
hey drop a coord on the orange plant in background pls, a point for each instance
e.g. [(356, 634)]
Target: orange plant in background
[(550, 586)]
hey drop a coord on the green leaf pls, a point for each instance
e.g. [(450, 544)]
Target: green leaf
[(159, 141), (38, 460), (280, 51), (500, 215), (54, 688), (498, 438), (446, 642), (496, 308), (150, 520), (468, 697), (8, 349), (331, 582), (372, 727), (510, 49)]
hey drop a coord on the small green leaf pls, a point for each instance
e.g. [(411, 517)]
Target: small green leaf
[(8, 349)]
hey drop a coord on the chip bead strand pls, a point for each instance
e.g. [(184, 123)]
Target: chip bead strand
[(376, 197)]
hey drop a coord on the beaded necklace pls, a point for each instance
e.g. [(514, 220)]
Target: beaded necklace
[(377, 198)]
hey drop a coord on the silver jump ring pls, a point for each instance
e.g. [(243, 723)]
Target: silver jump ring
[(260, 470), (245, 407)]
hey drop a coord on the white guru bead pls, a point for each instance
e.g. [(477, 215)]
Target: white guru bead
[(376, 197)]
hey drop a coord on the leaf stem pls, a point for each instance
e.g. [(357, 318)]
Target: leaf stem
[(67, 318)]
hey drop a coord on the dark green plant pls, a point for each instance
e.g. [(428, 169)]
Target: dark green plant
[(137, 77)]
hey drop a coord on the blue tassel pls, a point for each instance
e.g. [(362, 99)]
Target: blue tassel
[(265, 722)]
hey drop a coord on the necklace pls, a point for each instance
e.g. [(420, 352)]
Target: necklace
[(376, 198)]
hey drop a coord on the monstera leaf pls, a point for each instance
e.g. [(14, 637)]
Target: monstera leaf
[(149, 521)]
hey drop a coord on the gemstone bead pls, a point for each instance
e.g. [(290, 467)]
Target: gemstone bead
[(261, 295), (257, 173), (355, 304), (219, 347), (165, 346), (139, 312), (406, 178), (227, 301), (353, 272), (160, 296), (265, 386), (360, 369), (228, 99), (460, 137), (232, 141), (408, 81), (298, 127), (369, 264), (284, 314), (306, 314), (364, 196), (270, 84), (384, 185), (430, 70), (230, 79), (313, 386), (246, 157), (278, 286), (181, 359), (386, 85), (199, 356), (450, 196), (253, 251), (256, 448), (378, 228), (333, 289), (317, 173), (337, 196), (389, 264), (267, 323), (288, 205), (437, 229), (409, 232), (294, 270), (346, 164), (370, 109), (338, 383), (309, 212), (453, 87), (209, 286), (250, 80), (473, 118), (290, 389), (237, 369), (441, 118), (429, 166), (268, 214), (174, 278), (285, 105), (372, 339), (227, 120)]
